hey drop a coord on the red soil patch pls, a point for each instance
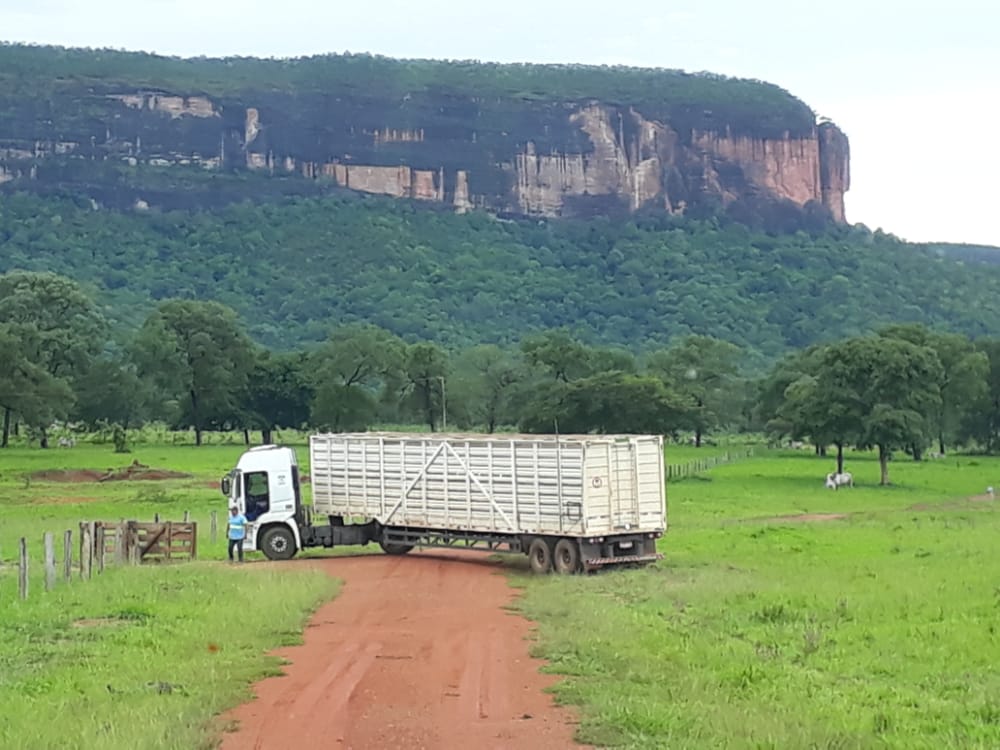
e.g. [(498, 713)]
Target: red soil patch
[(97, 622), (809, 518), (953, 505), (134, 471), (68, 475), (415, 652)]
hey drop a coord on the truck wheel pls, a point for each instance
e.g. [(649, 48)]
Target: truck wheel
[(394, 548), (540, 556), (278, 544), (567, 557)]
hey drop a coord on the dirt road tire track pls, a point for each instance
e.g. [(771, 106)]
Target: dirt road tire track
[(415, 652)]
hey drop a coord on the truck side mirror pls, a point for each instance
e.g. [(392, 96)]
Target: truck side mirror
[(226, 485)]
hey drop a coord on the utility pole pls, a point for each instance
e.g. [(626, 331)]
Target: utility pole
[(444, 405)]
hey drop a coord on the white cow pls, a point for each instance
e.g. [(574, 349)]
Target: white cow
[(836, 481)]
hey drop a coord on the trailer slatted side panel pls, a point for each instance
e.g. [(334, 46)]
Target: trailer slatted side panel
[(497, 484)]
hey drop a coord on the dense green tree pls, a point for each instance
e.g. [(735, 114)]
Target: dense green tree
[(289, 268), (197, 352), (803, 405), (963, 375), (53, 332), (608, 359), (358, 354), (356, 368), (343, 408), (890, 385), (608, 402), (704, 372), (558, 355), (772, 411), (278, 393), (426, 371), (982, 419), (111, 392), (27, 389), (484, 383)]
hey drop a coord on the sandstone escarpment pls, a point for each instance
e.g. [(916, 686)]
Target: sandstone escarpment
[(513, 157)]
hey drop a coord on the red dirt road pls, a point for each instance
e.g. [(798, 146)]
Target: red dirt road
[(415, 652)]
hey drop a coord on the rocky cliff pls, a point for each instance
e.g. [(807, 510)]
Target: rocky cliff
[(382, 129)]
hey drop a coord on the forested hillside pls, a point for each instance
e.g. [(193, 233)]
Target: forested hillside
[(296, 268)]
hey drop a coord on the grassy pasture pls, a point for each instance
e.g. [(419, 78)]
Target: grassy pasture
[(872, 630), (877, 629), (136, 657)]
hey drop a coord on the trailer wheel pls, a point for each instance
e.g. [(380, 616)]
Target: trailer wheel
[(567, 557), (392, 548), (278, 544), (540, 556)]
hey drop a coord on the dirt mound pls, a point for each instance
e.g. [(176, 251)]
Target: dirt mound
[(67, 475), (134, 471)]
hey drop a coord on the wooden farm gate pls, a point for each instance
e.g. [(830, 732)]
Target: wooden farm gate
[(136, 542)]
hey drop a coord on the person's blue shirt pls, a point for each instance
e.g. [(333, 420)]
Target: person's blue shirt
[(237, 526)]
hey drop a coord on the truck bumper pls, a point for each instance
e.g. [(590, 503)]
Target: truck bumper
[(595, 563)]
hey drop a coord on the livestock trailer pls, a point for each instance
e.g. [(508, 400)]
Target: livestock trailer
[(570, 502)]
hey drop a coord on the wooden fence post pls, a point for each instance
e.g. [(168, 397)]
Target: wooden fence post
[(134, 557), (156, 518), (169, 534), (86, 549), (215, 527), (99, 546), (194, 541), (121, 543), (68, 554), (22, 568), (48, 542), (187, 516)]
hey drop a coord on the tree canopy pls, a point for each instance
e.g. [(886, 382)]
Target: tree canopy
[(688, 99), (294, 270)]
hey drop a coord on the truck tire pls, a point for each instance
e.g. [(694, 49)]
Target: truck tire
[(394, 548), (567, 557), (540, 556), (278, 543)]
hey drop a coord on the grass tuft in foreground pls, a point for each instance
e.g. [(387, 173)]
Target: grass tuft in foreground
[(145, 656)]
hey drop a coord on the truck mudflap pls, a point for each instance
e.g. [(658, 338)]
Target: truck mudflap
[(594, 563)]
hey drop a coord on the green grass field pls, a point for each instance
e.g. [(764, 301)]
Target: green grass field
[(878, 629), (136, 657), (758, 630)]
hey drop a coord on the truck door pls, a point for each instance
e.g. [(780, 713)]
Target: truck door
[(256, 494), (624, 489)]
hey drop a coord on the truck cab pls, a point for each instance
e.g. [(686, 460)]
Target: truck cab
[(265, 487)]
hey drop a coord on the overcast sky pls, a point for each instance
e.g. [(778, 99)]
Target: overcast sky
[(914, 84)]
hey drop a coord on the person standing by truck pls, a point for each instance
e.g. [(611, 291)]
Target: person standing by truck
[(236, 530)]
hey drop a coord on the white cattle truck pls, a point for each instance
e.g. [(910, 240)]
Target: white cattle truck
[(571, 503)]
